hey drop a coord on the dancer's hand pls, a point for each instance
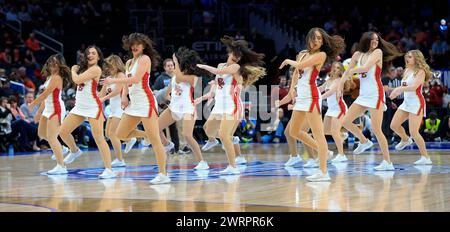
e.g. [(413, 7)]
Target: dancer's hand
[(75, 68), (198, 101), (395, 93), (174, 58), (277, 103), (124, 103), (285, 62)]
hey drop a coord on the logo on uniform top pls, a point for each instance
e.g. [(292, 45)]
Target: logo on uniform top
[(178, 90), (80, 87), (109, 90), (300, 73), (404, 84), (220, 82), (363, 75)]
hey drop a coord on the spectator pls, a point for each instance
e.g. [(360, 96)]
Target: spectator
[(436, 96), (5, 90), (23, 15), (160, 87), (279, 92), (248, 127), (438, 52), (276, 132), (27, 81), (390, 82), (32, 43), (367, 126), (5, 124), (29, 116), (432, 128), (80, 53), (446, 128), (6, 57), (12, 15), (22, 128), (29, 59)]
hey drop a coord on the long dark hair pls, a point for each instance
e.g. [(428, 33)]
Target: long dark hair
[(149, 46), (64, 70), (250, 61), (332, 45), (84, 62), (390, 52), (188, 60)]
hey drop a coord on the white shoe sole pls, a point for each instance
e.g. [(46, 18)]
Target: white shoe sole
[(160, 182)]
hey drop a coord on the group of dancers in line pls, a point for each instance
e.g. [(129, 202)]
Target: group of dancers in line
[(132, 101)]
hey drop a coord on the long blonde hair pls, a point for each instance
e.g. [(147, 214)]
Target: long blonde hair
[(338, 75), (116, 62), (420, 63), (347, 83)]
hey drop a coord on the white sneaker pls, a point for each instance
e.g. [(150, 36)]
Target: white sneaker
[(129, 145), (401, 145), (117, 163), (339, 158), (240, 160), (210, 145), (145, 143), (58, 170), (344, 136), (362, 147), (107, 174), (72, 156), (230, 171), (293, 160), (202, 165), (319, 177), (160, 179), (385, 166), (330, 155), (169, 146), (236, 140), (311, 163), (423, 161), (65, 149)]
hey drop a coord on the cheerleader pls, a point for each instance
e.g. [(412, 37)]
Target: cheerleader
[(142, 105), (115, 68), (243, 67), (372, 55), (87, 105), (52, 110), (336, 110), (417, 73), (321, 46), (181, 107), (294, 157)]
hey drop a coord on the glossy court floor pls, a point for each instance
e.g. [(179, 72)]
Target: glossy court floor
[(264, 185)]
